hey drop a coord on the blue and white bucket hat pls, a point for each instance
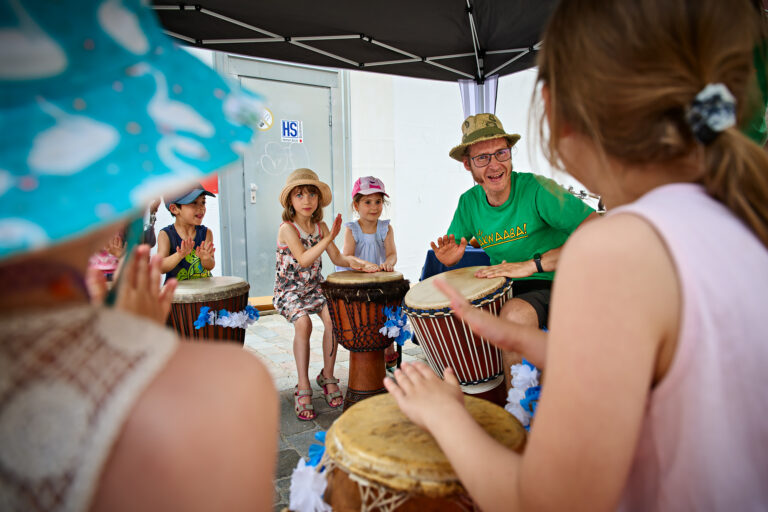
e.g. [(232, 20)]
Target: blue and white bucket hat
[(100, 112)]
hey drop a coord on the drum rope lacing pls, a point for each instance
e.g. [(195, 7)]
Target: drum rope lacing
[(377, 497), (363, 336), (446, 311)]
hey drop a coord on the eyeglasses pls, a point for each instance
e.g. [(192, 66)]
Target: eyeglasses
[(501, 155)]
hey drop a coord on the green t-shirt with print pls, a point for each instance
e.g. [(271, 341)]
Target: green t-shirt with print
[(538, 216)]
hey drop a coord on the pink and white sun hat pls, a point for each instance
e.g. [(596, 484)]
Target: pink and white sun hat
[(368, 185)]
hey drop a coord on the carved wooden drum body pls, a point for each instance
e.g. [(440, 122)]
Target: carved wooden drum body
[(356, 303), (377, 459), (449, 342), (219, 292)]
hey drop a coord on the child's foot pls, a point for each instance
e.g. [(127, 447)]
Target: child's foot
[(302, 404), (330, 390)]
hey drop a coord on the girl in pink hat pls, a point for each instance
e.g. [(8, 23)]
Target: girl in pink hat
[(370, 238)]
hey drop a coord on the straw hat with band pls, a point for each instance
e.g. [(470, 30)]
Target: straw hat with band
[(305, 177), (478, 128), (100, 113)]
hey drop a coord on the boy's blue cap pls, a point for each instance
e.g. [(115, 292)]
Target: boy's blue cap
[(187, 197)]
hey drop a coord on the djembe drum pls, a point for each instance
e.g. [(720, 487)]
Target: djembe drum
[(225, 292), (356, 303), (377, 459), (449, 342)]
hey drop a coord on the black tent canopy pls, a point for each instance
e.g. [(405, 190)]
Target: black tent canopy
[(436, 39)]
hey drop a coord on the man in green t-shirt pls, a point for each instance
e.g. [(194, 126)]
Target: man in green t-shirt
[(521, 220)]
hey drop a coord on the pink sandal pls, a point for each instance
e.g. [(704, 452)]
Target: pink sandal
[(300, 407), (323, 382)]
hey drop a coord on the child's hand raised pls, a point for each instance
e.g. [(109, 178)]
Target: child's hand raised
[(139, 288), (116, 246), (205, 250), (336, 228), (185, 248)]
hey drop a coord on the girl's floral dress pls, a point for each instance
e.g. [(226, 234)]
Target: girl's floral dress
[(298, 289)]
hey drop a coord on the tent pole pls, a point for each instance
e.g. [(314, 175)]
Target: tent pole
[(475, 44)]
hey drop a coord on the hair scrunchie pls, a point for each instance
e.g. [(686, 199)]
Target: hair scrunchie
[(712, 111)]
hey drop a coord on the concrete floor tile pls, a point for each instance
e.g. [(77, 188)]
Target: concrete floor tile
[(302, 441), (283, 494), (286, 462), (282, 357), (283, 484), (325, 420), (263, 332)]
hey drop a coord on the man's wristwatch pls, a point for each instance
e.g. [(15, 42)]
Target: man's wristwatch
[(537, 261)]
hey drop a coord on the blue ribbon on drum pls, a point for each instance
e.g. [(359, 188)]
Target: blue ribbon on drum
[(523, 396), (396, 325), (308, 481), (236, 320)]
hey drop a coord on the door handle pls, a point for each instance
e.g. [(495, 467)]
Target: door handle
[(254, 188)]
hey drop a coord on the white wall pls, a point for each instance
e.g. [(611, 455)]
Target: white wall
[(513, 106)]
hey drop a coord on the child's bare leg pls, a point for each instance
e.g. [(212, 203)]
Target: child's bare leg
[(329, 353), (302, 328)]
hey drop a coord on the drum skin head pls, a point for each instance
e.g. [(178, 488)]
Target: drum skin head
[(209, 289), (376, 441), (352, 277), (424, 295)]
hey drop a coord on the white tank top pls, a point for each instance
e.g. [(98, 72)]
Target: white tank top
[(704, 439)]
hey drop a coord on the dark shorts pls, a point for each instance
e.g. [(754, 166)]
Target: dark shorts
[(535, 292)]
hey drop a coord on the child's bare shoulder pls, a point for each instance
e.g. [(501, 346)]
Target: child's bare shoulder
[(286, 228), (286, 232)]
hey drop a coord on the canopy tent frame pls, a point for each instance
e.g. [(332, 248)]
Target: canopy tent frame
[(402, 56)]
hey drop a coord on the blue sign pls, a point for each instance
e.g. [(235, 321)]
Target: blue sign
[(291, 131)]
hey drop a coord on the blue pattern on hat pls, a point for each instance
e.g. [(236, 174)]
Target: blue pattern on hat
[(99, 113)]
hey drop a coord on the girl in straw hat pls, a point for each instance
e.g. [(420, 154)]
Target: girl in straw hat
[(655, 391), (101, 407), (301, 241)]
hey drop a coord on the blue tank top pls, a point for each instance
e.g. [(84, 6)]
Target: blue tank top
[(369, 246), (190, 267)]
